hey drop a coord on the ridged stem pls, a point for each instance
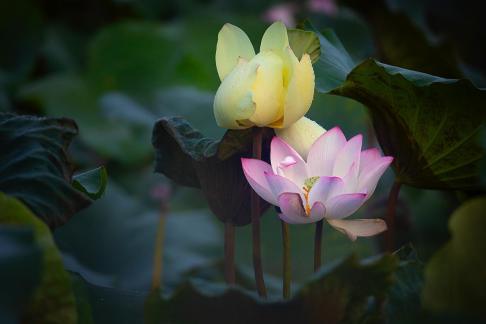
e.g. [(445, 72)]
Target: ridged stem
[(318, 245), (286, 264), (158, 251), (255, 219)]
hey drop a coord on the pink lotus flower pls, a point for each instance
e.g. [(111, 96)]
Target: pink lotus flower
[(332, 184)]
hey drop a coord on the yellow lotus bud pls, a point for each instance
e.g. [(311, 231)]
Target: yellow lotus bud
[(272, 88), (301, 135)]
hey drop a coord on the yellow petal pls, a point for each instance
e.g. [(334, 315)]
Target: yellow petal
[(233, 43), (301, 135), (300, 92), (268, 89), (233, 103), (275, 38)]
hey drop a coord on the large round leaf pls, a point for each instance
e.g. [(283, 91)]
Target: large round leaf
[(429, 124), (189, 158), (34, 166), (337, 294)]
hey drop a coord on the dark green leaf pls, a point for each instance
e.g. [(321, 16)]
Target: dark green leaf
[(403, 304), (334, 63), (34, 166), (20, 270), (184, 155), (420, 119), (303, 41), (108, 305), (92, 182), (423, 121), (83, 302), (338, 294), (455, 277), (53, 300), (352, 30)]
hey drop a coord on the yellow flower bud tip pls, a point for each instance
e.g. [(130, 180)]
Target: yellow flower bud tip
[(232, 44), (301, 135)]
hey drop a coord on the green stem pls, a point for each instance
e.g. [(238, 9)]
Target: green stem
[(318, 245), (255, 220), (159, 247), (390, 234), (286, 260), (229, 253)]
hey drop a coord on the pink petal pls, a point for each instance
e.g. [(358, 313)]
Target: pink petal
[(279, 185), (293, 211), (351, 180), (280, 152), (254, 171), (288, 161), (318, 212), (358, 227), (289, 220), (344, 205), (349, 154), (291, 206), (369, 158), (323, 152), (368, 178), (325, 188)]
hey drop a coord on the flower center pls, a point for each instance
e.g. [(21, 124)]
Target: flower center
[(308, 184)]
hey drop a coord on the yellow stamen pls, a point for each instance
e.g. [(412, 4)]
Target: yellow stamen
[(307, 205), (307, 188)]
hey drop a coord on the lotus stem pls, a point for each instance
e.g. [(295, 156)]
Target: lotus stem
[(229, 253), (390, 234), (159, 248), (318, 245), (286, 261), (255, 219)]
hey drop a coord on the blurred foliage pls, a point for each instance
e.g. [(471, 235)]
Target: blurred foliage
[(53, 299), (117, 66), (20, 270), (21, 31), (401, 42), (455, 276)]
